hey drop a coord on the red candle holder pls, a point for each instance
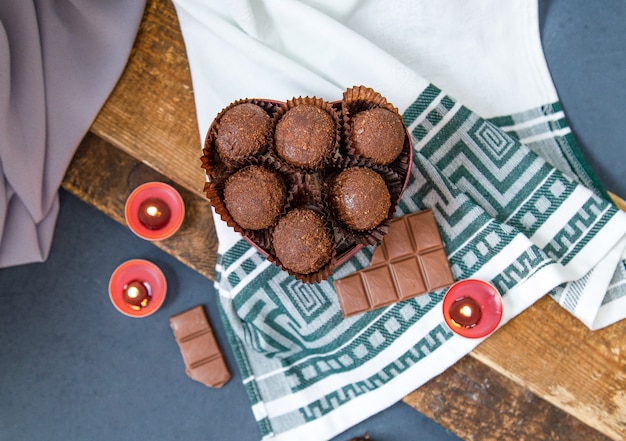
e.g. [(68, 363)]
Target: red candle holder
[(472, 308), (154, 211), (133, 279)]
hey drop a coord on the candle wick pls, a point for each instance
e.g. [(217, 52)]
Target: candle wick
[(466, 311)]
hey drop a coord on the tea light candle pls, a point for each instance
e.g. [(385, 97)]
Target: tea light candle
[(154, 211), (472, 308), (465, 312), (137, 288), (137, 294)]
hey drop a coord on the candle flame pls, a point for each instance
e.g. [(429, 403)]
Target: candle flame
[(152, 210), (466, 311), (133, 292)]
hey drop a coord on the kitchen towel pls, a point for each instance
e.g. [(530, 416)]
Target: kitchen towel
[(494, 159)]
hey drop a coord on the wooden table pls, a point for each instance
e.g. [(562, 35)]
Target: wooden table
[(516, 385)]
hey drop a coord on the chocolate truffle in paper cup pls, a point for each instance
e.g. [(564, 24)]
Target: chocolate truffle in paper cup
[(360, 198), (302, 242), (306, 135), (242, 131), (374, 128), (254, 196), (377, 134)]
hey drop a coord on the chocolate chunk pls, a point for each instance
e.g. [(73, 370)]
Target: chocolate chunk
[(204, 361), (410, 261)]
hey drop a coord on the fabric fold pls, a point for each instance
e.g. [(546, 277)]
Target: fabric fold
[(494, 159), (59, 62)]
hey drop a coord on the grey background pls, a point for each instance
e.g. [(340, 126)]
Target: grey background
[(585, 46)]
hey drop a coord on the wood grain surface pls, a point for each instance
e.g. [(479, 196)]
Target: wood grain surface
[(478, 404), (151, 112), (554, 355), (148, 131), (104, 177)]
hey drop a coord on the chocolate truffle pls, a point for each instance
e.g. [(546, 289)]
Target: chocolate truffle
[(254, 196), (378, 134), (244, 130), (305, 136), (302, 242), (360, 198)]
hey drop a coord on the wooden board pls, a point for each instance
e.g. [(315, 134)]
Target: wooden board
[(104, 177), (151, 112), (476, 403), (151, 117)]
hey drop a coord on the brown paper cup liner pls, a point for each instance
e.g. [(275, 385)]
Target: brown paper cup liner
[(359, 98)]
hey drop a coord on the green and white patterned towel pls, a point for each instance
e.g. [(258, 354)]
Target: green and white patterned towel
[(515, 202)]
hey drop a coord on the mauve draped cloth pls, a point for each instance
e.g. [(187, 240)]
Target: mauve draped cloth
[(59, 61)]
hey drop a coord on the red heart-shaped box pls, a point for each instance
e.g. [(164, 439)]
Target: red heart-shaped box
[(306, 187)]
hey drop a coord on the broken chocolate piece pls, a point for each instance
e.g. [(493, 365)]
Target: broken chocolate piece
[(410, 261), (204, 361)]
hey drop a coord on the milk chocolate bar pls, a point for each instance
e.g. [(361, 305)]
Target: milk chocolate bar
[(409, 261), (204, 361)]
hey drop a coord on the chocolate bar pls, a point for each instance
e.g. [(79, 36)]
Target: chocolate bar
[(204, 361), (409, 261)]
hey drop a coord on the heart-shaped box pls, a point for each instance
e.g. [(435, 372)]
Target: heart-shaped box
[(307, 187)]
